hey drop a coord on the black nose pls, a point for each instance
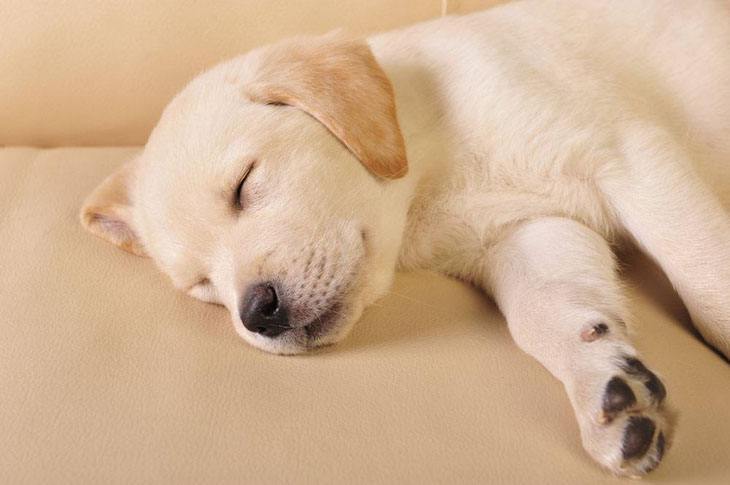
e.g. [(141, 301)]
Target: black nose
[(263, 312)]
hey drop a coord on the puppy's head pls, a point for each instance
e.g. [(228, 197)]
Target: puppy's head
[(268, 186)]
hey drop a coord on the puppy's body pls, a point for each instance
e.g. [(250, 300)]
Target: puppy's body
[(520, 112), (535, 134)]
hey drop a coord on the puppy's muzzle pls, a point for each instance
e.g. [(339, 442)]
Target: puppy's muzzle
[(263, 312)]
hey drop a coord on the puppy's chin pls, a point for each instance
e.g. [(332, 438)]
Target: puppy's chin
[(319, 333)]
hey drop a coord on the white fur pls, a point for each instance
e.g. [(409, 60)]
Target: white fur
[(537, 134)]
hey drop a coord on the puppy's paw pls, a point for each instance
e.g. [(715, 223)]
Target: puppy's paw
[(628, 427)]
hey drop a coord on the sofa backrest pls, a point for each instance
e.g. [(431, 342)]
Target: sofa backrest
[(99, 72)]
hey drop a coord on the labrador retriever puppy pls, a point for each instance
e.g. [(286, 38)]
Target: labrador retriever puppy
[(513, 149)]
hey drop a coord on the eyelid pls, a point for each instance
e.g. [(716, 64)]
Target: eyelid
[(239, 187)]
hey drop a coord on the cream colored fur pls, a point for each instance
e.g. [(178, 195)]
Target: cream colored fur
[(537, 135)]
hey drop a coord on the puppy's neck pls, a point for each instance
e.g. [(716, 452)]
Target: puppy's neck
[(422, 123)]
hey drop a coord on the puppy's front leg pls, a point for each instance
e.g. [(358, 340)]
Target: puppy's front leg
[(555, 282)]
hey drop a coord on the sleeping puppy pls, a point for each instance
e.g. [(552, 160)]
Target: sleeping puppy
[(511, 149)]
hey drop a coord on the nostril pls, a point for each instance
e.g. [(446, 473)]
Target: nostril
[(263, 311), (270, 301)]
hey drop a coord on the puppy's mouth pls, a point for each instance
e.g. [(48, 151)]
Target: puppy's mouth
[(325, 328), (324, 323), (296, 316)]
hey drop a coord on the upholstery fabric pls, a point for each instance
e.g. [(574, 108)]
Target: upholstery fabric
[(109, 375), (99, 72)]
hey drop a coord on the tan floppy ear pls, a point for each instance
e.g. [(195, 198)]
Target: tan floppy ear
[(339, 83), (107, 211)]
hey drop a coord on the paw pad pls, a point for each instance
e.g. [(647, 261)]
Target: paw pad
[(628, 427), (637, 437), (617, 397), (634, 367)]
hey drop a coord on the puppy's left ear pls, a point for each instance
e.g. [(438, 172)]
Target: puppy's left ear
[(339, 83), (107, 211)]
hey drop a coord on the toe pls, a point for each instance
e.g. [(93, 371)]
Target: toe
[(636, 369), (638, 437), (617, 397)]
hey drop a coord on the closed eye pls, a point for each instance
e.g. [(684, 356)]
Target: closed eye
[(238, 193)]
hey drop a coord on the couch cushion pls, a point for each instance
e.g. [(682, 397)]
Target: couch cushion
[(108, 375), (71, 69)]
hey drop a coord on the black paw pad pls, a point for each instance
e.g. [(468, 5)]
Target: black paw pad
[(656, 388), (636, 368), (657, 458), (637, 437), (617, 397), (660, 445)]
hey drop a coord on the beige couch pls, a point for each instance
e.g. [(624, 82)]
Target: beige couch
[(108, 375)]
